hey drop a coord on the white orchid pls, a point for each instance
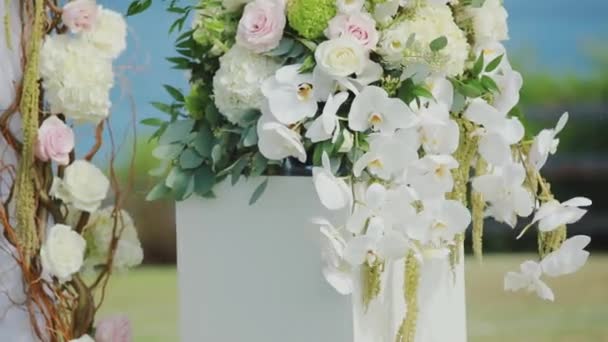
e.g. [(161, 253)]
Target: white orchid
[(528, 279), (336, 270), (373, 109), (438, 133), (569, 258), (553, 214), (505, 192), (377, 242), (546, 143), (509, 84), (277, 141), (333, 192), (327, 124), (388, 207), (431, 176), (291, 95), (498, 132), (439, 222), (389, 155)]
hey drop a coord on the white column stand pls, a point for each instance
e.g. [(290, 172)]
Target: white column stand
[(253, 274)]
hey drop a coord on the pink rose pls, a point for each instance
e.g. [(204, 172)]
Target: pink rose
[(262, 24), (55, 141), (113, 329), (79, 15), (360, 26)]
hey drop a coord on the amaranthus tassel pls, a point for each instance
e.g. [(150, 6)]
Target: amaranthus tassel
[(30, 98), (477, 208), (407, 330)]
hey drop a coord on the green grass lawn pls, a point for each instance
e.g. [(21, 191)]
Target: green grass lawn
[(580, 314)]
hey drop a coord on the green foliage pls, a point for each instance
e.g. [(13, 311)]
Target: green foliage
[(439, 44), (138, 6)]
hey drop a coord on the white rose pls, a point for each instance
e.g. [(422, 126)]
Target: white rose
[(83, 186), (63, 252), (489, 21), (341, 57)]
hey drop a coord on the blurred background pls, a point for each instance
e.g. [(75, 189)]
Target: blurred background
[(561, 48)]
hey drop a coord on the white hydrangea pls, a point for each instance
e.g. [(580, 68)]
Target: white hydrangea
[(109, 35), (76, 79), (98, 233), (237, 83), (429, 23), (489, 21)]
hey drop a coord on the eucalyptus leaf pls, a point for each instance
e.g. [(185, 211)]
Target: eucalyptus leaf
[(259, 164), (237, 169), (181, 181), (190, 159), (153, 122), (159, 191), (177, 131), (203, 142), (204, 179), (258, 192), (167, 152), (285, 45), (250, 138)]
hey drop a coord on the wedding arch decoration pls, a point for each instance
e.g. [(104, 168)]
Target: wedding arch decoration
[(63, 235), (406, 113)]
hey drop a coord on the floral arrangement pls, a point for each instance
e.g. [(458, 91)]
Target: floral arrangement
[(61, 234), (406, 111)]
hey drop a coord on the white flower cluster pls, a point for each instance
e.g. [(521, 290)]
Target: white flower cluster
[(76, 69), (236, 84), (411, 126), (408, 41)]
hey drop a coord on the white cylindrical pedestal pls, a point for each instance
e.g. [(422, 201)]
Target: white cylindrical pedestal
[(253, 274)]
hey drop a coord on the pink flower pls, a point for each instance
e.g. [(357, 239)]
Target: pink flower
[(261, 27), (79, 15), (113, 329), (55, 141), (360, 26)]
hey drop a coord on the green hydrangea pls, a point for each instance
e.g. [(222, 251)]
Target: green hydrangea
[(310, 17)]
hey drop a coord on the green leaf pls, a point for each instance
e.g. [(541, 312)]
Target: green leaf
[(167, 152), (284, 47), (217, 154), (176, 131), (478, 67), (439, 43), (179, 62), (472, 88), (494, 63), (237, 169), (203, 142), (489, 84), (212, 114), (181, 181), (189, 159), (250, 136), (138, 6), (204, 180), (420, 91), (163, 107), (325, 146), (307, 65), (174, 92), (159, 191), (259, 165), (154, 122), (259, 191)]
